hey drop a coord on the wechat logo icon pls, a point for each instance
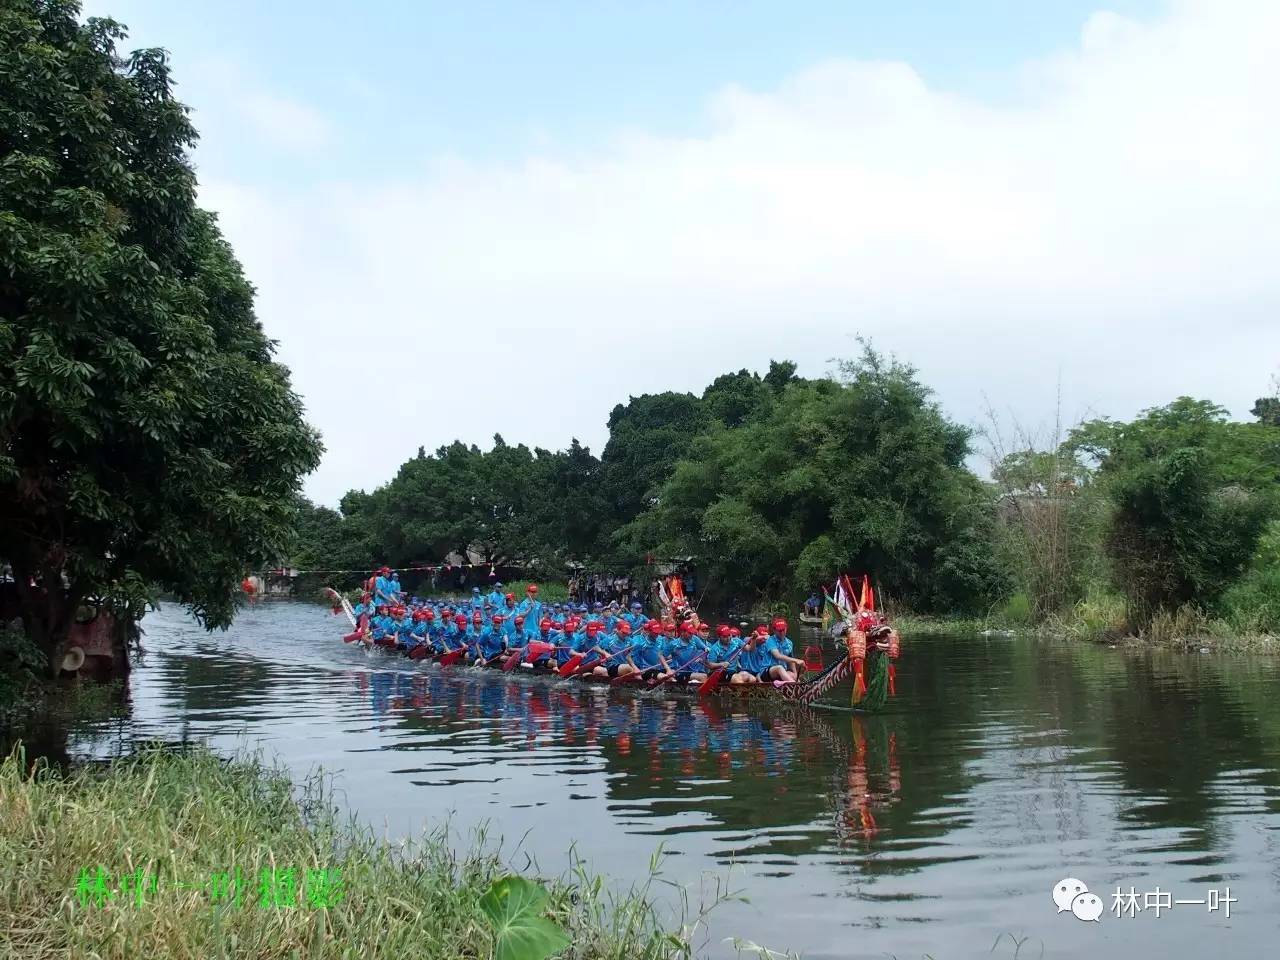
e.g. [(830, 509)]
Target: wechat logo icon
[(1072, 894)]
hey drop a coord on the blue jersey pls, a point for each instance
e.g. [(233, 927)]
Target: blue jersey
[(572, 645), (752, 658), (614, 645), (490, 642), (646, 653), (680, 653)]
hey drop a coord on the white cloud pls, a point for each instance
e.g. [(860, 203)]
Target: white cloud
[(1117, 226), (286, 122)]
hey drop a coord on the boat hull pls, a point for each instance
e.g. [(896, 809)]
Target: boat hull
[(800, 691)]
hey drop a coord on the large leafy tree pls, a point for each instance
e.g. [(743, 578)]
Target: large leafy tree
[(1191, 493), (859, 473), (647, 437), (147, 437)]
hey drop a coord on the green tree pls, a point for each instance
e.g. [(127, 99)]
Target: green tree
[(647, 437), (147, 437), (1191, 493), (733, 397), (1267, 409), (857, 474)]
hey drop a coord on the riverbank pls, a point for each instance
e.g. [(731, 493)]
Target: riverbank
[(1184, 630), (184, 855)]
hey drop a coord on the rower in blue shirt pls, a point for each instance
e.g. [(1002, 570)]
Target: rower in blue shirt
[(531, 610), (612, 647), (404, 630), (491, 640), (779, 646), (685, 654), (647, 655)]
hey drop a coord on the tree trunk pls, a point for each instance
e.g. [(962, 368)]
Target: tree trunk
[(47, 611)]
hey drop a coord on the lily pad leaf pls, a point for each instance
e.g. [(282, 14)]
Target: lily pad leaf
[(515, 907)]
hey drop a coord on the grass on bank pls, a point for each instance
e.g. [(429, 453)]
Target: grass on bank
[(172, 830), (1099, 617)]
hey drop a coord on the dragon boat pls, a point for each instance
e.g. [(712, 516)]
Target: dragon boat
[(869, 649)]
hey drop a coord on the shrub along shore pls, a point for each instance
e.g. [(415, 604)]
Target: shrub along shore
[(187, 856)]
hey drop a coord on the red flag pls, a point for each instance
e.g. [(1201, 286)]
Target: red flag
[(868, 595)]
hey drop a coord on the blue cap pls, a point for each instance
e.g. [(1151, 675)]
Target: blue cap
[(635, 605)]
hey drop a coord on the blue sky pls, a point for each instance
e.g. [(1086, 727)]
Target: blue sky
[(483, 79), (490, 217)]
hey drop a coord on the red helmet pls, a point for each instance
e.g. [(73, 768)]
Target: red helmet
[(761, 629), (704, 628), (428, 614), (477, 617), (460, 620), (497, 618), (653, 626), (624, 629), (780, 624), (510, 596), (686, 627), (594, 626), (544, 626), (735, 632), (531, 588), (722, 631), (384, 571)]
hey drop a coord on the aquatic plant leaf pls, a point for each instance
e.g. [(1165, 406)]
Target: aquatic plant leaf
[(515, 907)]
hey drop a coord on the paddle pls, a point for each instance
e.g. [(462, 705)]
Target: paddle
[(572, 664), (597, 660), (626, 678), (683, 669), (509, 664), (452, 657), (717, 677), (536, 647)]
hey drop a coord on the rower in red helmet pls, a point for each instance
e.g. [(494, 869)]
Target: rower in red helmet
[(779, 647)]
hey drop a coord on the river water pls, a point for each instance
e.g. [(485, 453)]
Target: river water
[(938, 827)]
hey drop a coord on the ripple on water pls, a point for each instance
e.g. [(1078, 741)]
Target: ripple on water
[(932, 830)]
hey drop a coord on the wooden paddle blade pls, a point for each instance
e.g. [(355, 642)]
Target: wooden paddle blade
[(572, 664), (625, 678), (709, 685), (509, 664), (539, 649), (452, 657), (588, 666)]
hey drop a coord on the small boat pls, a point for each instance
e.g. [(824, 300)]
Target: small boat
[(810, 621)]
